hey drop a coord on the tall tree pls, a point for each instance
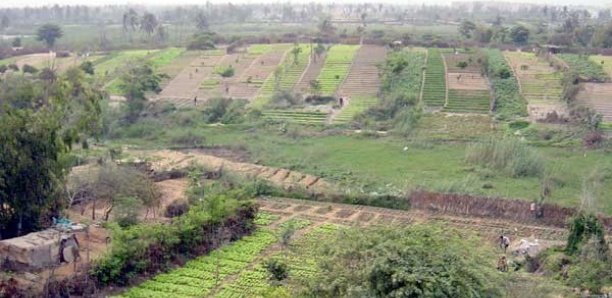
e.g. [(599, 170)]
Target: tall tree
[(39, 120), (149, 23), (130, 23), (134, 84), (519, 34), (49, 33), (201, 21), (5, 22)]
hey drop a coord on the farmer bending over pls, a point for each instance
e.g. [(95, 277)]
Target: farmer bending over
[(504, 242)]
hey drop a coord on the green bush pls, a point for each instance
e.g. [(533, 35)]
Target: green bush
[(150, 248), (226, 72), (278, 270), (414, 261), (510, 155)]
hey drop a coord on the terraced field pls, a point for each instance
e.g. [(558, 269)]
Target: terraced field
[(434, 90), (296, 116), (185, 85), (468, 90), (540, 84), (336, 67), (468, 101), (363, 78), (599, 97), (311, 73), (289, 73)]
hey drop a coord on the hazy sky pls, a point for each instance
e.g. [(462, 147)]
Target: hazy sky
[(20, 3)]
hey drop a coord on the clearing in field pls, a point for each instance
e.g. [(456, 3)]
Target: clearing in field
[(434, 89), (468, 91), (540, 84)]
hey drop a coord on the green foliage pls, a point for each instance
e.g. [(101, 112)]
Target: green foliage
[(36, 132), (126, 211), (49, 33), (462, 64), (277, 269), (519, 34), (226, 72), (200, 276), (509, 155), (134, 83), (508, 101), (585, 67), (132, 248), (223, 110), (87, 67), (27, 68), (202, 41), (582, 227), (401, 85), (419, 261)]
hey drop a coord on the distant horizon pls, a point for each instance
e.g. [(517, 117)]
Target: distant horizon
[(33, 3)]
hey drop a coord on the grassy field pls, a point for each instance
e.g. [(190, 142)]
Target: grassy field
[(434, 158), (157, 58)]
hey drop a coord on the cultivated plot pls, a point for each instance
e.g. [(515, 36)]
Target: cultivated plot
[(468, 90), (540, 84)]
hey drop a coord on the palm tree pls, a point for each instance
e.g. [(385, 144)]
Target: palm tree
[(130, 22), (149, 23)]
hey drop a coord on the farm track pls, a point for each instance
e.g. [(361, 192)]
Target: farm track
[(364, 215)]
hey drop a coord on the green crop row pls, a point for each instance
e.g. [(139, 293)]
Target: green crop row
[(468, 101), (301, 260), (508, 102), (198, 277), (357, 105), (434, 91), (265, 218), (585, 67), (295, 116), (336, 67)]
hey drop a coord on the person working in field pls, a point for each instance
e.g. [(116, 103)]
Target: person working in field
[(504, 242), (195, 101)]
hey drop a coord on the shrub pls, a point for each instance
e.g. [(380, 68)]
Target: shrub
[(13, 67), (278, 270), (3, 68), (150, 248), (202, 41), (418, 261), (462, 64), (27, 68), (509, 155), (176, 208), (87, 67), (226, 72)]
